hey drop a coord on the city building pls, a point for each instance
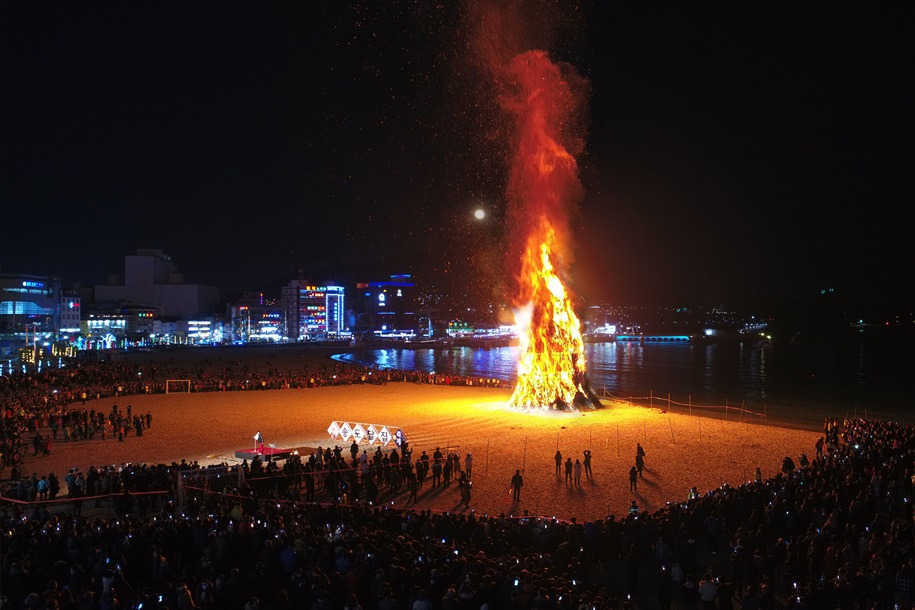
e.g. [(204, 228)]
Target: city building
[(252, 318), (141, 323), (201, 331), (152, 279), (126, 326), (29, 301), (312, 312), (70, 314), (105, 330), (390, 307), (30, 310)]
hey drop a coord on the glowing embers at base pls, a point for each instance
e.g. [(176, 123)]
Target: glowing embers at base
[(551, 367)]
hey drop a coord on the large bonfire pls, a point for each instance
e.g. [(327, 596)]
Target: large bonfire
[(542, 97), (544, 104), (551, 368)]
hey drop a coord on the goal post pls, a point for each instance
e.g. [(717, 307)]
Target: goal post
[(178, 386)]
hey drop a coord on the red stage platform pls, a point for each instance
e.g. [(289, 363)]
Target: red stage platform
[(269, 453)]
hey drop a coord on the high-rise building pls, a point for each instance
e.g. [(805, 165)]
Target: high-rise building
[(313, 311)]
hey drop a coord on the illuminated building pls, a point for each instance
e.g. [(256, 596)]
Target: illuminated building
[(313, 312), (268, 326), (255, 319), (242, 316), (70, 315), (105, 330), (30, 306), (201, 331), (126, 326), (152, 279), (390, 307), (29, 300), (240, 322), (140, 322)]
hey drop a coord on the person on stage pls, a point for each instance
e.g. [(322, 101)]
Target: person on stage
[(259, 442)]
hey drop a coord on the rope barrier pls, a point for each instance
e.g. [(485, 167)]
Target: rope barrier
[(666, 402), (69, 499)]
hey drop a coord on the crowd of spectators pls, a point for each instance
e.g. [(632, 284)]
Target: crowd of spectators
[(36, 408), (836, 533)]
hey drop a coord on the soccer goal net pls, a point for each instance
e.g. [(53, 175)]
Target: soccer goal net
[(178, 386)]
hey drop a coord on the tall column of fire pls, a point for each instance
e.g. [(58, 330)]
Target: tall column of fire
[(541, 97)]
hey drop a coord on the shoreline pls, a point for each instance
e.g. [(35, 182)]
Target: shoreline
[(293, 357)]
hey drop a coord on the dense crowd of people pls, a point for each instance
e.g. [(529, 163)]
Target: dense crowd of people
[(836, 533), (36, 408), (319, 532)]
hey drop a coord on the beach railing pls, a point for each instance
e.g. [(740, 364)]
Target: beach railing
[(727, 411)]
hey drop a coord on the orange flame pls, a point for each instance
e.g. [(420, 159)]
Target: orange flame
[(552, 363), (544, 103), (543, 183)]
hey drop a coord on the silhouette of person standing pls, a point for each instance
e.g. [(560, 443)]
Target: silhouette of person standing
[(465, 487), (587, 463), (517, 483), (633, 479), (558, 459)]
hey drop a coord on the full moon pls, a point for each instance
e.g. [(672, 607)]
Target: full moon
[(479, 214)]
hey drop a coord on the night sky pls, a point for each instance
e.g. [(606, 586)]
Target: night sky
[(746, 154)]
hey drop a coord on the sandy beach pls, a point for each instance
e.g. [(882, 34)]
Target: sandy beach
[(682, 451)]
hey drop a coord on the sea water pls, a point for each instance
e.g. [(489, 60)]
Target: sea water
[(796, 383)]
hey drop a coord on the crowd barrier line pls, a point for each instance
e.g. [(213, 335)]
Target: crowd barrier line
[(69, 499)]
